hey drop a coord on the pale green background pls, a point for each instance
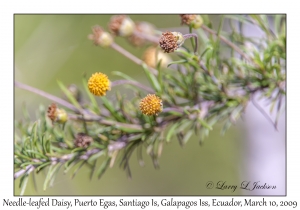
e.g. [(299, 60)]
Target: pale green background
[(55, 47)]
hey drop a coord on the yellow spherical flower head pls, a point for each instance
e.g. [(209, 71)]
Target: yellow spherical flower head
[(151, 105), (99, 84)]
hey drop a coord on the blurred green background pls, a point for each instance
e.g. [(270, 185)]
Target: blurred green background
[(55, 47)]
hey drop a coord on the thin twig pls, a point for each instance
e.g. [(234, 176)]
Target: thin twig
[(127, 54), (148, 37), (105, 122), (121, 82), (28, 168), (187, 36), (49, 96)]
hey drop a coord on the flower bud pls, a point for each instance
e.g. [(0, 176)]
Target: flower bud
[(101, 37), (121, 25), (56, 114), (153, 55), (195, 21)]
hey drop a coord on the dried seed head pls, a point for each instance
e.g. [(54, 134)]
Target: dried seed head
[(56, 114), (99, 84), (101, 37), (153, 55), (121, 25), (195, 21), (144, 28), (82, 140), (170, 41), (151, 105), (52, 112)]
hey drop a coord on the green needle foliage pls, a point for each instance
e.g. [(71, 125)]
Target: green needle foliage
[(198, 89)]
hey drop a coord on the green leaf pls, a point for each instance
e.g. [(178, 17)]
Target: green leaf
[(103, 168), (185, 53), (71, 98), (52, 170), (109, 106), (121, 74), (78, 168), (152, 79), (40, 167), (220, 25), (205, 124), (23, 183), (96, 156), (225, 127), (178, 62), (187, 136), (206, 50), (171, 131)]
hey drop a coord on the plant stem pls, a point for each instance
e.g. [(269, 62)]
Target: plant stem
[(148, 37), (131, 57), (49, 96), (121, 82), (187, 36)]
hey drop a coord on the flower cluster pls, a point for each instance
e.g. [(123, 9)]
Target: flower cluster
[(195, 21), (151, 105), (99, 84)]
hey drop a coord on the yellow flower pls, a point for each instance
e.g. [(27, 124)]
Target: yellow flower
[(98, 84), (151, 105)]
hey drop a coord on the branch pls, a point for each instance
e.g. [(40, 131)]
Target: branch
[(50, 97), (121, 82), (131, 57)]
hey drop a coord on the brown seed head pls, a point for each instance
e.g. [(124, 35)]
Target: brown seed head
[(56, 114), (121, 25), (168, 42), (195, 21), (82, 140), (52, 112), (100, 37), (187, 19)]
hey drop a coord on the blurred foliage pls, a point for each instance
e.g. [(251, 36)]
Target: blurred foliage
[(198, 91)]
